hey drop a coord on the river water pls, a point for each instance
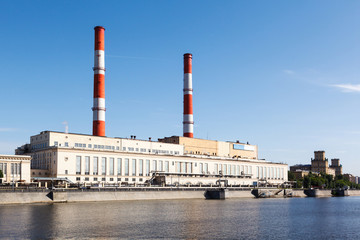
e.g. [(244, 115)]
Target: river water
[(288, 218)]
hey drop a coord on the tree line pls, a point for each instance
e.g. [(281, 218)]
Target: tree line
[(322, 180)]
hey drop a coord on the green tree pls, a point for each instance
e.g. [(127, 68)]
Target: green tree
[(291, 176), (299, 183), (325, 181)]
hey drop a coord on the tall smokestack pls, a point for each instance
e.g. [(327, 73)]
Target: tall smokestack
[(188, 121), (99, 83)]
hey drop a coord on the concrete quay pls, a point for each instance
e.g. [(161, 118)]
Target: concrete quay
[(330, 193), (112, 194)]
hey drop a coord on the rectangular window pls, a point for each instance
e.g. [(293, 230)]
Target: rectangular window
[(216, 168), (56, 143), (238, 170), (141, 167), (147, 167), (89, 146), (119, 166), (225, 169), (126, 167), (18, 169), (265, 171), (103, 165), (166, 166), (246, 169), (188, 168), (78, 179), (154, 165), (87, 165), (78, 164), (133, 167), (86, 179), (183, 167), (66, 144), (178, 167), (161, 165), (206, 168), (95, 166), (257, 172), (95, 178), (111, 163), (201, 170)]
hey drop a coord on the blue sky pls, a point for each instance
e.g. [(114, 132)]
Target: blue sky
[(280, 74)]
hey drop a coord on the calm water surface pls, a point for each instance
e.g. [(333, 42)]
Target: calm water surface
[(297, 218)]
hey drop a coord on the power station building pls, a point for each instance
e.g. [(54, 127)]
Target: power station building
[(184, 160), (96, 159)]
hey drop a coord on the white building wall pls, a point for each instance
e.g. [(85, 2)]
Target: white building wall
[(15, 168), (177, 164), (61, 151)]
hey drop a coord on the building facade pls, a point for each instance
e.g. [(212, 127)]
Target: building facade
[(335, 164), (15, 168), (304, 167), (95, 159)]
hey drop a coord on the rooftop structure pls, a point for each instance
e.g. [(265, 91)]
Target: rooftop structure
[(235, 150)]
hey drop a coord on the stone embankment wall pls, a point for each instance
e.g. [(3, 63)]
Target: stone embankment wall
[(24, 197), (353, 192), (239, 194), (297, 193), (112, 195)]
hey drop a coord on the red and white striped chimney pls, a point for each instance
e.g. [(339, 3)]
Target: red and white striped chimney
[(188, 120), (99, 83)]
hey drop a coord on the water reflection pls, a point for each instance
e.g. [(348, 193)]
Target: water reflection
[(298, 218)]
